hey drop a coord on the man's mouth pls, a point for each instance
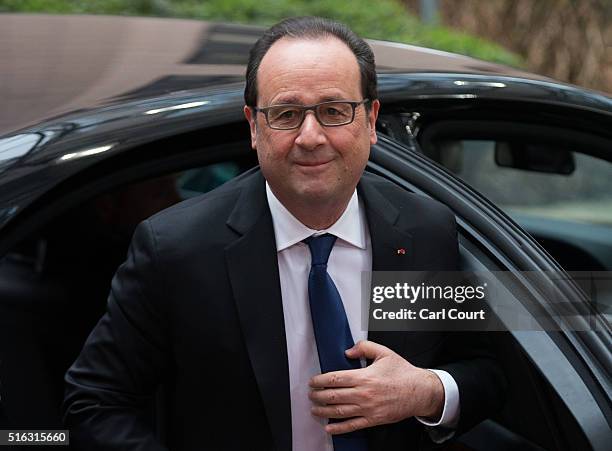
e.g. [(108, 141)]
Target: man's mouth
[(312, 164)]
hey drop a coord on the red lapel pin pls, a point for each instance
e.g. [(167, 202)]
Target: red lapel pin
[(401, 251)]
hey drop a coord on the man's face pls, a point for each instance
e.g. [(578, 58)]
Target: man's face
[(312, 165)]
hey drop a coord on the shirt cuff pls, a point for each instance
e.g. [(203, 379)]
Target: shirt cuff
[(450, 413)]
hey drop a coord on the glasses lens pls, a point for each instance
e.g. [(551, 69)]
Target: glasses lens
[(335, 113), (284, 116)]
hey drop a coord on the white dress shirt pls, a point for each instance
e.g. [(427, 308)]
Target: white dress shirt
[(350, 256)]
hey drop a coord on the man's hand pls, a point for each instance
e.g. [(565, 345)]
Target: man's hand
[(387, 391)]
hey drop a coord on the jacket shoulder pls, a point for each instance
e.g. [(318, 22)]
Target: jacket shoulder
[(410, 204), (204, 215)]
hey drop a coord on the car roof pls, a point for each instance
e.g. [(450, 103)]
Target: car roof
[(55, 64)]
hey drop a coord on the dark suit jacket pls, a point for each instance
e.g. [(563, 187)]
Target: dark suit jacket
[(197, 307)]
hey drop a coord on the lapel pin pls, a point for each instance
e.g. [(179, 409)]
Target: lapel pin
[(401, 251)]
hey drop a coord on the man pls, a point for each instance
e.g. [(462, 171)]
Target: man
[(238, 300)]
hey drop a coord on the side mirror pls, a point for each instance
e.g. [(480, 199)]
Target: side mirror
[(534, 157)]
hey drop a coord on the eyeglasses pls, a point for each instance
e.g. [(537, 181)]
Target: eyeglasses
[(328, 114)]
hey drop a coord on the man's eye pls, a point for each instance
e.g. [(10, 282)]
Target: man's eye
[(339, 111), (283, 114), (287, 114)]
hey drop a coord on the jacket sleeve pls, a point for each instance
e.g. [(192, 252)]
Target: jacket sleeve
[(110, 387), (481, 383)]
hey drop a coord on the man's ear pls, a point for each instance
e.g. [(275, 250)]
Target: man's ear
[(251, 117), (372, 116)]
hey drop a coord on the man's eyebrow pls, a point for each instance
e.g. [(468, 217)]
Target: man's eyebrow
[(331, 98), (289, 100), (293, 100)]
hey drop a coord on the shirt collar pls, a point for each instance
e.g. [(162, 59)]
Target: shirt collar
[(288, 230)]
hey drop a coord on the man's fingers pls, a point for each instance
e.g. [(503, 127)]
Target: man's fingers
[(347, 378), (334, 396), (367, 349), (347, 426), (337, 411)]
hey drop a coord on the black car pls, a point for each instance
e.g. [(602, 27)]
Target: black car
[(98, 136)]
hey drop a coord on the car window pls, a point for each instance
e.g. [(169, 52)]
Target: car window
[(193, 182), (557, 190), (584, 195)]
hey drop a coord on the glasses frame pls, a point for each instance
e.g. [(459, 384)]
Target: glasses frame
[(304, 108)]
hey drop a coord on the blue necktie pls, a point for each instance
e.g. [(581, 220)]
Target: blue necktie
[(331, 327)]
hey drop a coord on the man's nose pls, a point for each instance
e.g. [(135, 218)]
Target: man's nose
[(311, 133)]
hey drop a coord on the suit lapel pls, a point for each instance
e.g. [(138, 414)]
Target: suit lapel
[(253, 270), (392, 248)]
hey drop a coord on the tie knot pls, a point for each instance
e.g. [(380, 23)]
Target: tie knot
[(320, 248)]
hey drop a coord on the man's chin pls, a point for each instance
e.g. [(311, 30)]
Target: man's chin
[(319, 195)]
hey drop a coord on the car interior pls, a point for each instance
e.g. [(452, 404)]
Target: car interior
[(55, 277)]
